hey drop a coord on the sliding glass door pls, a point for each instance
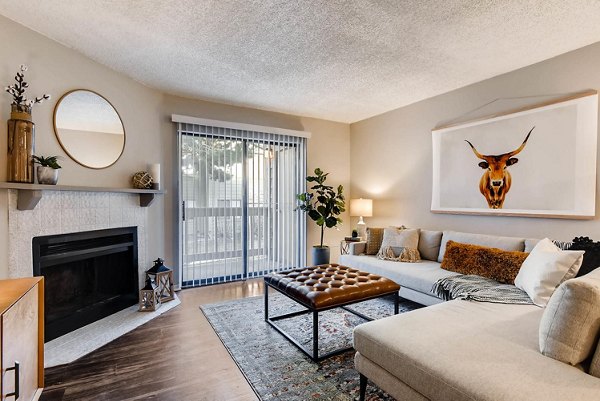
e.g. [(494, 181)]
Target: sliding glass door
[(238, 204)]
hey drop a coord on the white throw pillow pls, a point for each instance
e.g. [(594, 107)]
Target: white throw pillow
[(545, 268), (400, 245)]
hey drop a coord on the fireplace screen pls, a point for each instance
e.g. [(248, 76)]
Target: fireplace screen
[(88, 276)]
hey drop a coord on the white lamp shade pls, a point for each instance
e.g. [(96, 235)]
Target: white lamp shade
[(361, 207)]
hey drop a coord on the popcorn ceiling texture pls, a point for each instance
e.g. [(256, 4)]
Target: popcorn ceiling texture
[(62, 212), (337, 60)]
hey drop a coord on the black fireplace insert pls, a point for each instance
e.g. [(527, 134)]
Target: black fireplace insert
[(88, 276)]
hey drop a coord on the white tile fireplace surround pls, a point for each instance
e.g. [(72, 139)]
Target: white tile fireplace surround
[(63, 212)]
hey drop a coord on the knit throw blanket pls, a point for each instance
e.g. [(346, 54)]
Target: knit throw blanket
[(480, 289)]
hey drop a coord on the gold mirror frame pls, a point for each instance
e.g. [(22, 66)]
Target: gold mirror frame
[(64, 147)]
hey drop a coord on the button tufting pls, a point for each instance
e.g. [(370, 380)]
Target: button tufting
[(330, 285)]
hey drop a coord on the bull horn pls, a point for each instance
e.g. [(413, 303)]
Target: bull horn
[(479, 155), (520, 148)]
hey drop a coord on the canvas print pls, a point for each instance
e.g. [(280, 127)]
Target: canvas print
[(536, 162)]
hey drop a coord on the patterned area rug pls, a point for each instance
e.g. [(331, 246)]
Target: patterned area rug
[(275, 368)]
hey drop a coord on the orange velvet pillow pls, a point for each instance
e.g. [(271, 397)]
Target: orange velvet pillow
[(494, 263)]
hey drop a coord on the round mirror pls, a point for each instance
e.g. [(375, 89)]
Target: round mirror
[(89, 129)]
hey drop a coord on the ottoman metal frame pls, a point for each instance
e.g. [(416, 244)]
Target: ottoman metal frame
[(314, 355)]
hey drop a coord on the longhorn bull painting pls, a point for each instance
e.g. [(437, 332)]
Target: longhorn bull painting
[(532, 161), (496, 179)]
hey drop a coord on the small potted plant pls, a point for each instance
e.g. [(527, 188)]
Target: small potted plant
[(323, 204), (47, 171)]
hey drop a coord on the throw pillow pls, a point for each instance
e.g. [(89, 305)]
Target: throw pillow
[(545, 268), (429, 244), (591, 257), (400, 245), (374, 238), (570, 324), (492, 241), (493, 263)]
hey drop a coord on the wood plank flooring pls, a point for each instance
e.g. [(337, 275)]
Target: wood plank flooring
[(176, 356)]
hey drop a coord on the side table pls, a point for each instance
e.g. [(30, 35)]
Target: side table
[(345, 246)]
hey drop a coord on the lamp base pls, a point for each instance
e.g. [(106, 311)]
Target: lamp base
[(361, 227)]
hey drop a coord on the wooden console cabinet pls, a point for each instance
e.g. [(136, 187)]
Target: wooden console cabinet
[(22, 338)]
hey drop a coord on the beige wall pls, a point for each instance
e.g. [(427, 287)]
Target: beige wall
[(392, 157), (151, 137), (55, 69)]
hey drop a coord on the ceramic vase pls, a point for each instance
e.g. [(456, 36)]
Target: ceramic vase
[(47, 175), (21, 145)]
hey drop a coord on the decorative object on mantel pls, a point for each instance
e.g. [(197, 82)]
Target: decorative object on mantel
[(21, 131), (154, 170), (163, 277), (85, 122), (149, 297), (323, 205), (563, 145), (47, 171), (142, 180)]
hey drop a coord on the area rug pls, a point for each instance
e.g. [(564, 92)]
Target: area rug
[(275, 368)]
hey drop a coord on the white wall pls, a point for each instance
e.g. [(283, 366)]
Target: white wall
[(146, 115), (392, 157)]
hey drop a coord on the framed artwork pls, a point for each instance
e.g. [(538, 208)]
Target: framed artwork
[(538, 161)]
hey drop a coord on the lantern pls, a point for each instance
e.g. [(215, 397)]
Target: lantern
[(149, 297), (163, 277)]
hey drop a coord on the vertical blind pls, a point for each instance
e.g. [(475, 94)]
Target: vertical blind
[(238, 191)]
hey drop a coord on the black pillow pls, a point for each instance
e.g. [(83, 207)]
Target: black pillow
[(591, 257)]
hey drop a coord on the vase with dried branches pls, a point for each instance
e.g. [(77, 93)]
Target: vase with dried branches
[(21, 130)]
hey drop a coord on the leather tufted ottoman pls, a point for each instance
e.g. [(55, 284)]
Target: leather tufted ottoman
[(323, 287)]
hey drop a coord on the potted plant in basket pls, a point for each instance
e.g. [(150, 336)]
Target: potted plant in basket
[(323, 204), (47, 171)]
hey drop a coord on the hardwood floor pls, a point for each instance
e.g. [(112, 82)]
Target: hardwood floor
[(176, 356)]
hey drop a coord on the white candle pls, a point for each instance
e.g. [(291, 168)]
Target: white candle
[(154, 170)]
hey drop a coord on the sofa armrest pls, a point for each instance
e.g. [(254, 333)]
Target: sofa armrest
[(357, 248)]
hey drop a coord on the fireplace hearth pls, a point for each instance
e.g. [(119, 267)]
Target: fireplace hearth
[(88, 276)]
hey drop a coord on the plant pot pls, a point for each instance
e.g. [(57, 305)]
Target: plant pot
[(21, 144), (320, 255), (47, 175)]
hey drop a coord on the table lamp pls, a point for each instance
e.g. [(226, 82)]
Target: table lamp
[(361, 208)]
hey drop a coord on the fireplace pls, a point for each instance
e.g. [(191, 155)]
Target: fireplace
[(88, 276)]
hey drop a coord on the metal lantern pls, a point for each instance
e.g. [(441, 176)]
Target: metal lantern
[(163, 277), (149, 297)]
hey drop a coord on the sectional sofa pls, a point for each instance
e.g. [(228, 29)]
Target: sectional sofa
[(417, 279), (460, 350)]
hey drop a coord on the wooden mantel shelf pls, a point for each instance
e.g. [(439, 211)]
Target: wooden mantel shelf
[(30, 194)]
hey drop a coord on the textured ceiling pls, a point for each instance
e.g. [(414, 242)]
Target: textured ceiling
[(332, 59)]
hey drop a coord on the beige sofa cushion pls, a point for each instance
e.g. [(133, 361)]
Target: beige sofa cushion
[(530, 243), (493, 241), (595, 365), (461, 350), (417, 276), (570, 324), (429, 244)]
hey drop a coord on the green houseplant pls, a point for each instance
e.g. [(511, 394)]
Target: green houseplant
[(47, 171), (323, 205)]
